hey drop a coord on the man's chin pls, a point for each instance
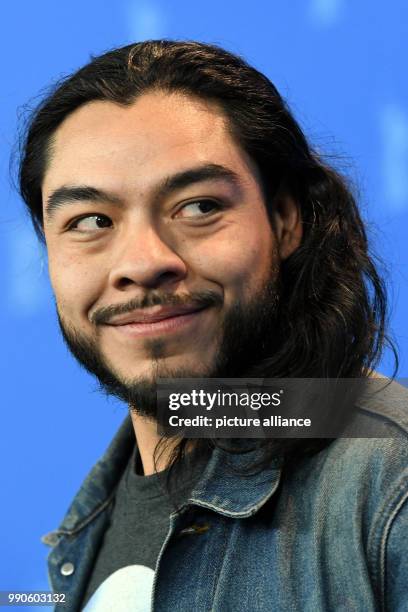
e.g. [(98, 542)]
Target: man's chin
[(151, 372), (140, 392)]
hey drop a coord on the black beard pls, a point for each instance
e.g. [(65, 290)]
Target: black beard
[(247, 337)]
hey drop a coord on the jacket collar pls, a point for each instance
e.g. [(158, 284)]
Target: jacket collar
[(99, 486), (224, 487), (221, 489)]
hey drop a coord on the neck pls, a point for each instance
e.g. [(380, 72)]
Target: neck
[(147, 439)]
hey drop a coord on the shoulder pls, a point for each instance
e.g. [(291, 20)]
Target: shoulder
[(386, 403), (381, 471), (381, 422), (366, 476), (379, 461)]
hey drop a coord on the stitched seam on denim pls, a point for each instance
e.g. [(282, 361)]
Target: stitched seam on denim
[(217, 581), (85, 522), (173, 520), (375, 545), (240, 513), (384, 539), (385, 417)]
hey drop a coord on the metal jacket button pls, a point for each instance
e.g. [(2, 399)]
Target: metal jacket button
[(67, 569)]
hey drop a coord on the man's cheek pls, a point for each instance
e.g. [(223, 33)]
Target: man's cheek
[(74, 282), (74, 296), (246, 266)]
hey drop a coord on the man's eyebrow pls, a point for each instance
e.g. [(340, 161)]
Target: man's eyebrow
[(74, 194), (67, 194), (188, 177)]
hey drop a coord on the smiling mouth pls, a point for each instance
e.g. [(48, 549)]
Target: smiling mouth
[(172, 324)]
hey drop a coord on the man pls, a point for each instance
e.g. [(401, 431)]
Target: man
[(192, 232)]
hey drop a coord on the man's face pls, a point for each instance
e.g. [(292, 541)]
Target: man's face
[(152, 211)]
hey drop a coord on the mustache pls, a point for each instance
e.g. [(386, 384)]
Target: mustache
[(103, 315)]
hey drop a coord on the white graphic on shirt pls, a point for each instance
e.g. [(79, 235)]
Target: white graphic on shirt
[(129, 589)]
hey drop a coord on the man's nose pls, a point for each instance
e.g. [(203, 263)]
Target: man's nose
[(146, 259)]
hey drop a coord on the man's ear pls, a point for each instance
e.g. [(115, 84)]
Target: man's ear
[(287, 223)]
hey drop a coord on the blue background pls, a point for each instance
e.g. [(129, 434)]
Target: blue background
[(342, 67)]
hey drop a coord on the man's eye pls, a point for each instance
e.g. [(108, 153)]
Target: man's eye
[(199, 208), (90, 223)]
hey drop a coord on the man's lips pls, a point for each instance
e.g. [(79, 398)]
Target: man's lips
[(153, 315), (163, 321)]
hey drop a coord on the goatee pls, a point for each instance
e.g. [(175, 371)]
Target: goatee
[(247, 336)]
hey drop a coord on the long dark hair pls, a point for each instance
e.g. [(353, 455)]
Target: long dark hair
[(333, 306)]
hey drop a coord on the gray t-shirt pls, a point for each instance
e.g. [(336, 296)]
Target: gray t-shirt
[(123, 573)]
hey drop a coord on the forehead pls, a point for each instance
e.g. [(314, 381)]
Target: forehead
[(117, 146)]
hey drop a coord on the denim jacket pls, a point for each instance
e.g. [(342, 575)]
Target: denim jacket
[(332, 534)]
